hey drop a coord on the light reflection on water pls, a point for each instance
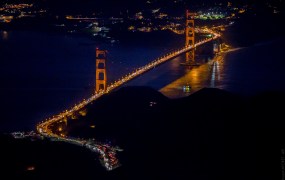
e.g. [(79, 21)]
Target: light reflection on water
[(197, 77), (244, 71)]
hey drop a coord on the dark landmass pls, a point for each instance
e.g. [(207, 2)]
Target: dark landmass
[(212, 134), (114, 7), (261, 22)]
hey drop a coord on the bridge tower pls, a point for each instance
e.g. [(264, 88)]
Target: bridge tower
[(101, 74), (190, 37)]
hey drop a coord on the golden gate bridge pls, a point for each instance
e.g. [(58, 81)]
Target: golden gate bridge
[(108, 153)]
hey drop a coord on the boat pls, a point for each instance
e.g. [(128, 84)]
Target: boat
[(186, 88)]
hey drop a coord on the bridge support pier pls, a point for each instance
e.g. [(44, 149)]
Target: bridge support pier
[(101, 74)]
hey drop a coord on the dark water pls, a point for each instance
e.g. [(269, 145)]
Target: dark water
[(42, 74), (255, 69)]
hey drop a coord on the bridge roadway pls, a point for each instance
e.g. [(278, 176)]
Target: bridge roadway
[(108, 153)]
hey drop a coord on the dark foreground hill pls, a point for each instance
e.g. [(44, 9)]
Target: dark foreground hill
[(212, 134)]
